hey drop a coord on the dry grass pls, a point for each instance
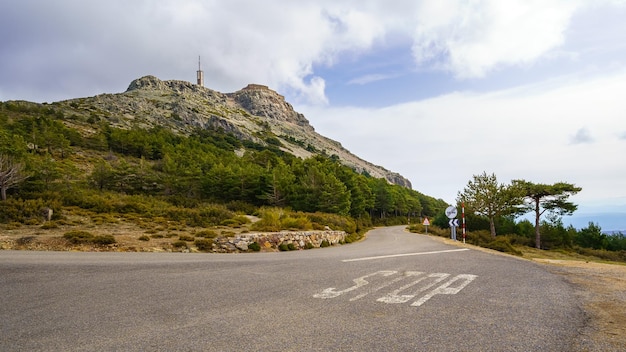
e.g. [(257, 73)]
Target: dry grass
[(127, 233)]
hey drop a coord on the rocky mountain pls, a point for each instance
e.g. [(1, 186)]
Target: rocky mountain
[(254, 113)]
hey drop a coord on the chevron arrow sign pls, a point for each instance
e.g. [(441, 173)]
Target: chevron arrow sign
[(454, 222)]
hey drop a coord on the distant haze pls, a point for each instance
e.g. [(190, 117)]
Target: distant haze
[(609, 222)]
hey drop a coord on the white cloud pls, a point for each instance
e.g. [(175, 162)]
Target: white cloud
[(472, 38), (276, 43), (583, 135), (71, 47), (525, 133), (370, 78)]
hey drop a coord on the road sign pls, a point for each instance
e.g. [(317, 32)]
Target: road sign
[(451, 212), (426, 222), (454, 223)]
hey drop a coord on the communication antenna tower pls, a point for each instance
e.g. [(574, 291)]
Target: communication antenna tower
[(200, 74)]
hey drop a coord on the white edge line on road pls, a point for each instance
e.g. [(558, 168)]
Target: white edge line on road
[(402, 255)]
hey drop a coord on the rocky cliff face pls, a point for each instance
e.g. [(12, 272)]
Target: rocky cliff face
[(261, 101), (250, 113)]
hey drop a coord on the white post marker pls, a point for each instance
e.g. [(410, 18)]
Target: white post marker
[(463, 217)]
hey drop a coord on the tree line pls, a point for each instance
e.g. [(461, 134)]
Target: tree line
[(495, 206)]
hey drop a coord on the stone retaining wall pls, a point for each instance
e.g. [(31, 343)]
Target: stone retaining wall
[(272, 240)]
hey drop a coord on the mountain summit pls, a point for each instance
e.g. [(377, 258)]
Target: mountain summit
[(254, 113)]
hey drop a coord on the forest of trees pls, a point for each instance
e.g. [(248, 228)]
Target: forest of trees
[(62, 166), (495, 207)]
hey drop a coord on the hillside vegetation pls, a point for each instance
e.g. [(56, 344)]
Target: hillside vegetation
[(94, 166)]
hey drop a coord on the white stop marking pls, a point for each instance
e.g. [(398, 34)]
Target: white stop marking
[(414, 284)]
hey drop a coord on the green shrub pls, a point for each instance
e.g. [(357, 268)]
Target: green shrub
[(334, 221), (236, 221), (419, 228), (441, 232), (32, 221), (83, 237), (298, 223), (415, 228), (90, 199), (77, 237), (283, 247), (100, 219), (186, 238), (230, 223), (63, 222), (241, 207), (179, 244), (22, 211), (363, 223), (210, 215), (318, 227), (13, 225), (478, 238), (309, 245), (353, 237), (324, 243), (206, 234), (291, 246), (204, 244), (157, 235), (254, 246), (103, 239), (242, 219), (270, 220), (502, 244), (159, 220), (520, 240), (617, 256), (49, 225), (144, 238)]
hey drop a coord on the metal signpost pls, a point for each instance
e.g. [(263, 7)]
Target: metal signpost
[(426, 223), (451, 213)]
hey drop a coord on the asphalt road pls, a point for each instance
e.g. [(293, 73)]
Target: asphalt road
[(395, 291)]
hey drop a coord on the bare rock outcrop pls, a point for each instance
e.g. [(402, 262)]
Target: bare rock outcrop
[(259, 100), (249, 113)]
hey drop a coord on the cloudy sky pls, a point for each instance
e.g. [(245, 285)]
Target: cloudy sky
[(437, 90)]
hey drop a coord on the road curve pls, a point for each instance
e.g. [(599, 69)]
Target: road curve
[(394, 291)]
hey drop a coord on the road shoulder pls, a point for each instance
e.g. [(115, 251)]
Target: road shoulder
[(601, 288)]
